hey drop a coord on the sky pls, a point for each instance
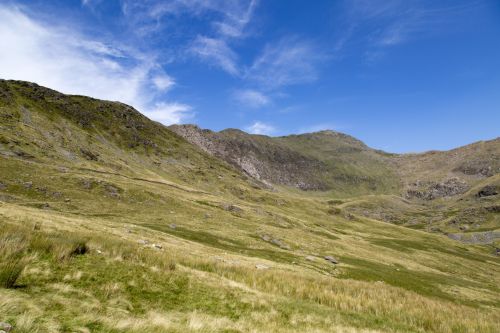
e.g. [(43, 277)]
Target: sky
[(401, 75)]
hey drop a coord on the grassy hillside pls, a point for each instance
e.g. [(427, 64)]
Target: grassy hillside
[(110, 228)]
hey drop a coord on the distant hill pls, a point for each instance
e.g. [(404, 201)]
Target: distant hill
[(337, 162)]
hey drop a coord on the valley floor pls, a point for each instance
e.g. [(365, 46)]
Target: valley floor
[(87, 251)]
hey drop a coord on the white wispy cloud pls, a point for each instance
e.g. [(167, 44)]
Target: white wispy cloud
[(398, 21), (318, 128), (259, 127), (236, 20), (231, 17), (66, 60), (171, 113), (287, 62), (216, 52), (251, 98), (163, 82)]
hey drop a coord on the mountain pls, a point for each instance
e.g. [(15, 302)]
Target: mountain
[(110, 222), (336, 162), (324, 160)]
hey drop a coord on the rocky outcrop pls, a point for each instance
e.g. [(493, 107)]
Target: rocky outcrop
[(433, 190), (488, 191), (487, 237)]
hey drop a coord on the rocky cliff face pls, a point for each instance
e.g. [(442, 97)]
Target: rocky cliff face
[(257, 156)]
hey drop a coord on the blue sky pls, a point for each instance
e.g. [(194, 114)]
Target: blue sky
[(401, 75)]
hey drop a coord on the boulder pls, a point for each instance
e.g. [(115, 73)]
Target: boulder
[(331, 259), (6, 327), (487, 191)]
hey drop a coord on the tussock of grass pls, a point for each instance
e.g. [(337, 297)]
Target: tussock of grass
[(13, 258)]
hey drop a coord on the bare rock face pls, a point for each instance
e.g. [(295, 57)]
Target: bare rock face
[(267, 162)]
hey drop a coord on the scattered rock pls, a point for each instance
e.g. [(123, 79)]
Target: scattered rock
[(89, 155), (98, 251), (6, 327), (28, 185), (275, 241), (172, 226), (261, 266), (67, 200), (487, 191), (232, 208), (87, 184), (266, 238), (112, 190), (157, 246), (280, 243), (487, 237), (143, 241), (331, 259), (310, 258)]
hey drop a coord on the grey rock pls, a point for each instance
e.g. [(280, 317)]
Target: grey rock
[(280, 243), (433, 190), (28, 185), (310, 258), (487, 191), (157, 246), (487, 237), (172, 226), (331, 259), (266, 238), (6, 327), (232, 208), (275, 241)]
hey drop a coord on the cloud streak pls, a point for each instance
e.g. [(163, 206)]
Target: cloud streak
[(287, 62), (251, 98), (261, 128), (216, 52)]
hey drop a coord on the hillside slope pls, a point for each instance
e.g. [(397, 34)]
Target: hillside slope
[(110, 222)]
